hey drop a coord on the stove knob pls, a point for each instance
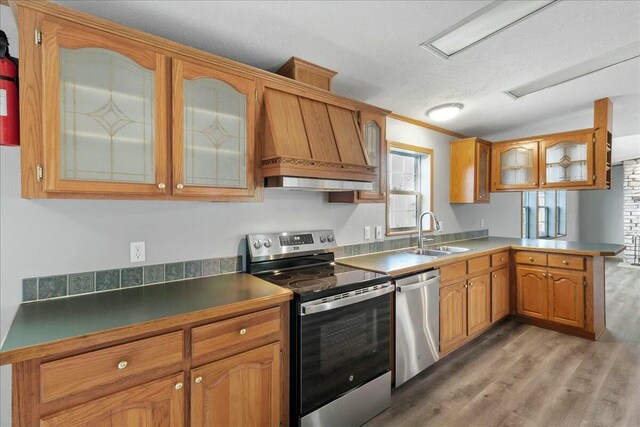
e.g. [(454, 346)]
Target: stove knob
[(267, 243), (330, 237), (323, 239), (257, 244)]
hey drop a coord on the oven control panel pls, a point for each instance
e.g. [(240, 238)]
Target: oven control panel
[(287, 244)]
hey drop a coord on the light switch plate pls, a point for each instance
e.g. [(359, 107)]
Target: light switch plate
[(378, 232), (367, 233)]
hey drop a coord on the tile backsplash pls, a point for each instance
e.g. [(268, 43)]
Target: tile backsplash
[(41, 288)]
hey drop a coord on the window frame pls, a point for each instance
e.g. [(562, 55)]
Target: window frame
[(552, 221), (421, 153)]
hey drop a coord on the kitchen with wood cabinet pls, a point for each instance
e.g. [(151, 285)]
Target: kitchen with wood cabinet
[(202, 228)]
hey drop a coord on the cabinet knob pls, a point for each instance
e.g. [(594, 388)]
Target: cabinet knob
[(198, 380), (161, 185), (501, 258), (178, 386), (549, 274), (179, 186), (565, 262), (495, 276), (123, 364), (544, 274), (531, 258), (535, 183), (243, 331)]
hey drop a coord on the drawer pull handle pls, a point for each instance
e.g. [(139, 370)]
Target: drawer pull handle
[(565, 262), (531, 258), (243, 331), (178, 386), (122, 364), (198, 380)]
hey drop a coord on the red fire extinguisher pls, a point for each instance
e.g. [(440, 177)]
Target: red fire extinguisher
[(9, 111)]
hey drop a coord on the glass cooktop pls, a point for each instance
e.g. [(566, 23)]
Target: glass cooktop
[(323, 280)]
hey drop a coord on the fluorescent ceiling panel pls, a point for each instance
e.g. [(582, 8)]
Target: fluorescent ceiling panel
[(598, 63), (481, 25)]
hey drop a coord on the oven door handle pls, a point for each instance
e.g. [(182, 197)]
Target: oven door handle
[(312, 308)]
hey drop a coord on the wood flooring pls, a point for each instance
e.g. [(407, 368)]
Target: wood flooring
[(521, 375)]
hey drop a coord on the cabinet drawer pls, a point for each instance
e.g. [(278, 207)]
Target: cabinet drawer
[(241, 333), (453, 271), (500, 259), (97, 368), (573, 262), (531, 258), (478, 264)]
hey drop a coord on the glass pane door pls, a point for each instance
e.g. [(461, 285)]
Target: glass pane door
[(566, 162), (215, 134), (482, 178), (372, 138), (517, 166), (107, 116)]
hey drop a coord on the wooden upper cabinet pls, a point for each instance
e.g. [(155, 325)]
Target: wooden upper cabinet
[(213, 132), (479, 303), (469, 179), (532, 292), (567, 161), (157, 403), (104, 112), (566, 297), (373, 130), (514, 166), (243, 390)]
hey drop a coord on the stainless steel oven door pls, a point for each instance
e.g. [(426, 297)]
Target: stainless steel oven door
[(344, 343)]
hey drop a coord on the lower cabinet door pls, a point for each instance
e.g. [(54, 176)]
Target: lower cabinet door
[(499, 294), (532, 292), (566, 298), (453, 315), (479, 303), (242, 390), (157, 403)]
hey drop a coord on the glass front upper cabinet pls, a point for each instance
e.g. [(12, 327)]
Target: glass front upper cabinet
[(373, 133), (107, 133), (515, 166), (213, 114), (567, 161)]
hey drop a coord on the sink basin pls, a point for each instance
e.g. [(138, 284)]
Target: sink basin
[(430, 252), (449, 249)]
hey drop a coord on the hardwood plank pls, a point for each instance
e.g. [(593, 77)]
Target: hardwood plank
[(347, 135)]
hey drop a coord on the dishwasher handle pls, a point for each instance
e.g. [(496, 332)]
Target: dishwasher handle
[(418, 285)]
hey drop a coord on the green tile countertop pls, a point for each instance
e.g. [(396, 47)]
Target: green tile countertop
[(401, 262), (43, 327)]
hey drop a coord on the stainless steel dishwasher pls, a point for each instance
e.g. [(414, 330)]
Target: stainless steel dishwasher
[(417, 323)]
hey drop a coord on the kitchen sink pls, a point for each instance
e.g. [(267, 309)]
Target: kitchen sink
[(450, 249)]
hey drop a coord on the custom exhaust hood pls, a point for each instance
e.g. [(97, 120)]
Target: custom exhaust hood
[(312, 145)]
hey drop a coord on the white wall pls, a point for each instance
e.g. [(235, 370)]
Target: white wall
[(601, 212)]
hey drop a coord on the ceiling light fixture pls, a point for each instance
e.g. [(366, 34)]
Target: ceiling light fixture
[(486, 22), (592, 65), (444, 112)]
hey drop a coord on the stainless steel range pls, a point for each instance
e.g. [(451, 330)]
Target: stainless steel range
[(340, 328)]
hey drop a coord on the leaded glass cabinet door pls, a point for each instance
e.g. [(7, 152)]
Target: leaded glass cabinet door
[(482, 178), (105, 121), (515, 166), (374, 138), (567, 161), (213, 133)]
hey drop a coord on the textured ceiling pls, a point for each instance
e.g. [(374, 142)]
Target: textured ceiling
[(374, 47)]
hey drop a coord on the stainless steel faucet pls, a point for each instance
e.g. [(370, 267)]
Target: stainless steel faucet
[(420, 230)]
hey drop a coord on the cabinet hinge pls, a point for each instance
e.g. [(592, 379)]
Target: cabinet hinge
[(39, 173), (358, 118), (594, 176), (38, 37), (584, 282), (255, 95), (594, 139)]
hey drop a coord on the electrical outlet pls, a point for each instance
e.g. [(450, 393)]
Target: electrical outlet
[(367, 233), (481, 222), (378, 232), (137, 252)]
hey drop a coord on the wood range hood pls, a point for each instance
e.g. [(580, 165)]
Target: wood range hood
[(313, 145)]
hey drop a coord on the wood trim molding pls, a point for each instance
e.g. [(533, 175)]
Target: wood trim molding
[(426, 125)]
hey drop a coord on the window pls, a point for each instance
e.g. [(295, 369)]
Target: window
[(544, 214), (409, 187)]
